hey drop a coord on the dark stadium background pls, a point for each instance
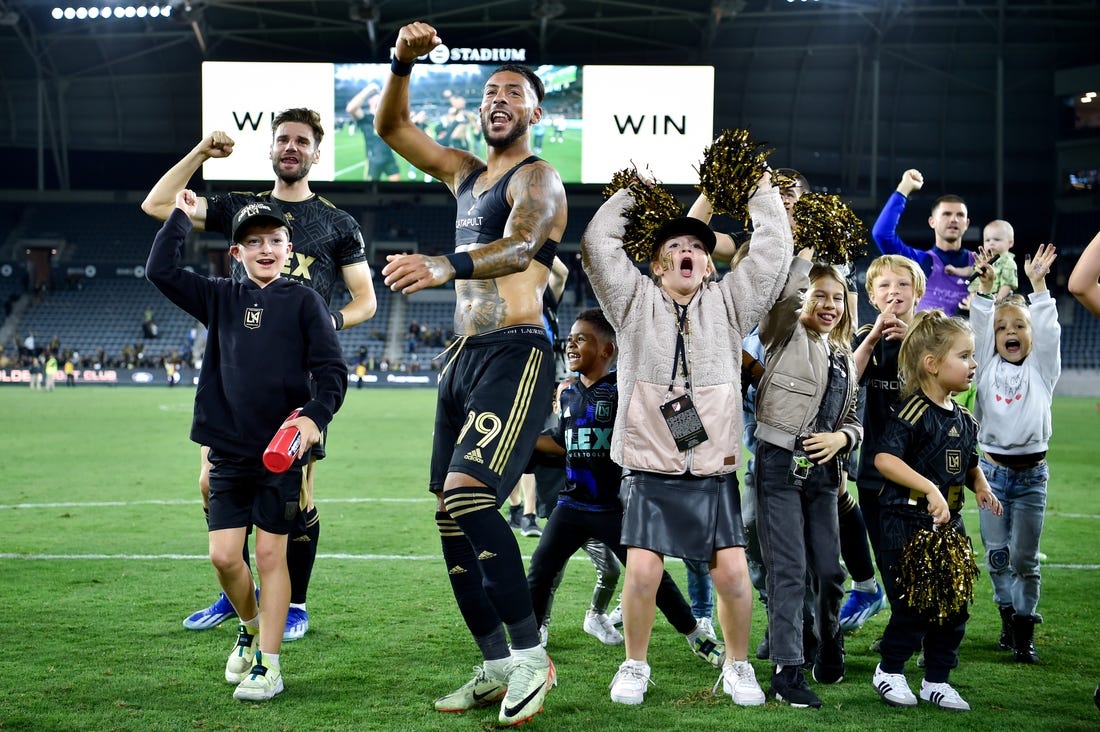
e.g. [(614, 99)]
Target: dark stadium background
[(983, 96)]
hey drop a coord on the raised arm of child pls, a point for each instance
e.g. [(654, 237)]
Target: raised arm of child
[(1037, 267)]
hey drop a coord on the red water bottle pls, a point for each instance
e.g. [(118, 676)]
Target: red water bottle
[(283, 448)]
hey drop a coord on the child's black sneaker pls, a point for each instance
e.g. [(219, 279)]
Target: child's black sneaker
[(789, 685), (829, 665)]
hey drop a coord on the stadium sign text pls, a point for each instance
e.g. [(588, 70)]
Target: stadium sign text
[(23, 376), (442, 54)]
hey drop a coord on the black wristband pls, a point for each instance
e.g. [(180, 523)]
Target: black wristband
[(401, 68), (463, 264), (338, 320)]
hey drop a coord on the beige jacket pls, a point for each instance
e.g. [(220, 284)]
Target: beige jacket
[(645, 323), (796, 373)]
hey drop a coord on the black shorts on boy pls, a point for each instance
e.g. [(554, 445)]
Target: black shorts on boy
[(244, 493)]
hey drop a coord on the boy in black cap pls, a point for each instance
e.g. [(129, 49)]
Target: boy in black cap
[(267, 337)]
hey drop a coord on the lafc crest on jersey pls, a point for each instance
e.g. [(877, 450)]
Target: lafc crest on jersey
[(252, 317), (954, 461)]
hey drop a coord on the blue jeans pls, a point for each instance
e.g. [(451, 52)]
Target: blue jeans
[(757, 573), (700, 588), (1012, 539)]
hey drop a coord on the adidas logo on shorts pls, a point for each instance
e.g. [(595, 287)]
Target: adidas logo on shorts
[(474, 456)]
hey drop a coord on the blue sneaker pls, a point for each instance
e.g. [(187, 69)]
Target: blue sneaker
[(297, 623), (861, 607), (211, 617)]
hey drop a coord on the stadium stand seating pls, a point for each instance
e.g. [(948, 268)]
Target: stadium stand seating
[(1080, 335), (106, 311), (93, 232), (432, 226), (370, 335)]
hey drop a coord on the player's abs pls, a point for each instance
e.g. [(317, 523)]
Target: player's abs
[(486, 305)]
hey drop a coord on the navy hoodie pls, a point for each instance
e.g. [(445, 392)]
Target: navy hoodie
[(263, 344)]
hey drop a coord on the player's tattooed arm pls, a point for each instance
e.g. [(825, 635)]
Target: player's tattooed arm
[(538, 212), (538, 203)]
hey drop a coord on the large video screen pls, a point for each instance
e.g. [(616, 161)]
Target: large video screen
[(592, 123)]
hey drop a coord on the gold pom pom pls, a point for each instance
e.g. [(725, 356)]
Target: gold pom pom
[(830, 226), (936, 573), (653, 206), (729, 171)]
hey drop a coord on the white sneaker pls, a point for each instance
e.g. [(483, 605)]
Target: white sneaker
[(600, 627), (615, 617), (480, 691), (242, 657), (260, 684), (531, 675), (706, 625), (738, 679), (893, 688), (630, 682), (943, 695)]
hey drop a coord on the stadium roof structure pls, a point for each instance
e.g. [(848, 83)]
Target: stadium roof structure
[(851, 92)]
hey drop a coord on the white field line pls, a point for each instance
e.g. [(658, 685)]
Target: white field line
[(355, 557), (351, 557), (322, 501), (195, 502)]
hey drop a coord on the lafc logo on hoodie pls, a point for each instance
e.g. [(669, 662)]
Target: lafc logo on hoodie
[(252, 317)]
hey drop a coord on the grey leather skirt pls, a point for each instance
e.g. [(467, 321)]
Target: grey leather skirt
[(681, 515)]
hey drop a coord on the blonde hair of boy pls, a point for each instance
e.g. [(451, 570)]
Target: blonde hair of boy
[(896, 263)]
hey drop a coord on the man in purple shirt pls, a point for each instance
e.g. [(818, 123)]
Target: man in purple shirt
[(946, 265)]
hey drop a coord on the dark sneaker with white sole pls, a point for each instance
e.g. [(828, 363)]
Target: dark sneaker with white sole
[(789, 685)]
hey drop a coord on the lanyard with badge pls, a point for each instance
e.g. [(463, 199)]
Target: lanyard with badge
[(680, 413)]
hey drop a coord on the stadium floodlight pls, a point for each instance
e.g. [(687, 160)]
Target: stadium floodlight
[(95, 12)]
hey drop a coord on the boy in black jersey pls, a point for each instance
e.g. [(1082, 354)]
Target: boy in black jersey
[(589, 506), (895, 285), (928, 455)]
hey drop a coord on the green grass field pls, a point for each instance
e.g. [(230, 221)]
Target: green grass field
[(103, 554)]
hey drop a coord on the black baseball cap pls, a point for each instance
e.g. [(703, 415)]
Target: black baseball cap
[(258, 211), (685, 225)]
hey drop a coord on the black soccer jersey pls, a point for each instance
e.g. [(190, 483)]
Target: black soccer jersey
[(325, 238), (881, 387), (940, 444), (587, 419)]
